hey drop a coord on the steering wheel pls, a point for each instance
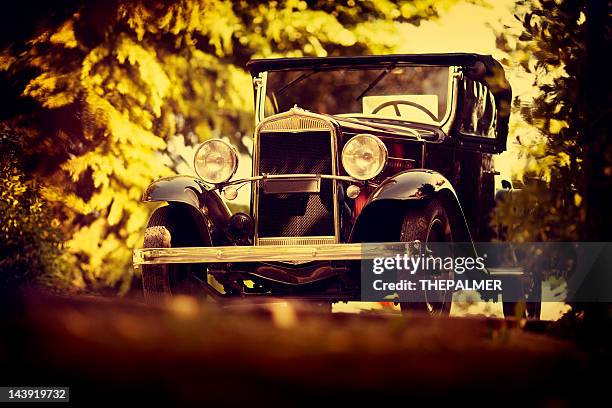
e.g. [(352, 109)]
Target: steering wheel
[(396, 105)]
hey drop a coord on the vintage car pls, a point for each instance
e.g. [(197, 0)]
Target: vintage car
[(347, 152)]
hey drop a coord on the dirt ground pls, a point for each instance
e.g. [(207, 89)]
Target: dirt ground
[(283, 353)]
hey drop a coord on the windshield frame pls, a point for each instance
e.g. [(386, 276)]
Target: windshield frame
[(261, 82)]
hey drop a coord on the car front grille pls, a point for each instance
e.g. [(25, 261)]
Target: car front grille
[(296, 214)]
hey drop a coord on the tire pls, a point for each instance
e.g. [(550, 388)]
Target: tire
[(530, 308), (513, 289), (175, 225), (428, 222), (529, 289), (534, 303)]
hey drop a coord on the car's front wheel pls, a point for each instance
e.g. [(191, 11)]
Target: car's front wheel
[(170, 226), (428, 223)]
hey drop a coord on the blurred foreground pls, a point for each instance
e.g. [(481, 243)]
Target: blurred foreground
[(289, 353)]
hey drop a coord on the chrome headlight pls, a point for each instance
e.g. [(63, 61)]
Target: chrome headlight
[(215, 161), (364, 156)]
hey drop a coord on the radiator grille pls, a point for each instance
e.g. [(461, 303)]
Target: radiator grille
[(296, 214)]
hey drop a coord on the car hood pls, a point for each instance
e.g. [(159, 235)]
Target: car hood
[(354, 125)]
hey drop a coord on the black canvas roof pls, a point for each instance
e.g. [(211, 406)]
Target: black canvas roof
[(463, 59), (494, 76)]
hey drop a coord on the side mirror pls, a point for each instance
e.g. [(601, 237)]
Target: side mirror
[(506, 185)]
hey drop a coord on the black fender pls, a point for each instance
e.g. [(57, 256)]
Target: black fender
[(382, 216), (186, 190)]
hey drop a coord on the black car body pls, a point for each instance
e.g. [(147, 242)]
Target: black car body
[(441, 117)]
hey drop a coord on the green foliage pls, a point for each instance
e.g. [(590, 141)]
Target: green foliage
[(30, 239), (551, 205), (113, 82)]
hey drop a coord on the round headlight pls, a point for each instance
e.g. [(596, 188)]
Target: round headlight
[(364, 157), (215, 161)]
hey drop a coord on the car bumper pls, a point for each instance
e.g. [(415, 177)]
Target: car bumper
[(272, 253)]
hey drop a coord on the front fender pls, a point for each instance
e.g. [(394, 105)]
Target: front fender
[(176, 189), (386, 206), (191, 191), (415, 184)]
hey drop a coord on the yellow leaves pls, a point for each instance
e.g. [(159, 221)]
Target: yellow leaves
[(292, 29), (108, 75), (65, 35), (123, 130), (137, 219), (116, 211), (13, 186), (87, 238), (30, 240), (379, 35), (555, 126), (91, 61), (212, 96), (100, 251), (407, 9), (160, 71), (41, 85), (99, 248), (314, 47), (563, 159), (77, 165), (6, 60), (217, 20), (52, 91), (151, 72), (51, 193), (138, 17), (57, 86), (239, 86), (214, 19), (538, 161)]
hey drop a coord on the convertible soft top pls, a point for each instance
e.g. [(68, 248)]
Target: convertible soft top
[(494, 77), (463, 59)]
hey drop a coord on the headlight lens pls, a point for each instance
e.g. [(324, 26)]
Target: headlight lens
[(216, 161), (364, 157)]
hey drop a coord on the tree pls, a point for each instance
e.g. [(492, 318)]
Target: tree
[(104, 86), (567, 42), (569, 180), (26, 234)]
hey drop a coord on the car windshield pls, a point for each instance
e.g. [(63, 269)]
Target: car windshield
[(412, 93)]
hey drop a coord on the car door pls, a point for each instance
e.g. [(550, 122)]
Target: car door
[(476, 120)]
